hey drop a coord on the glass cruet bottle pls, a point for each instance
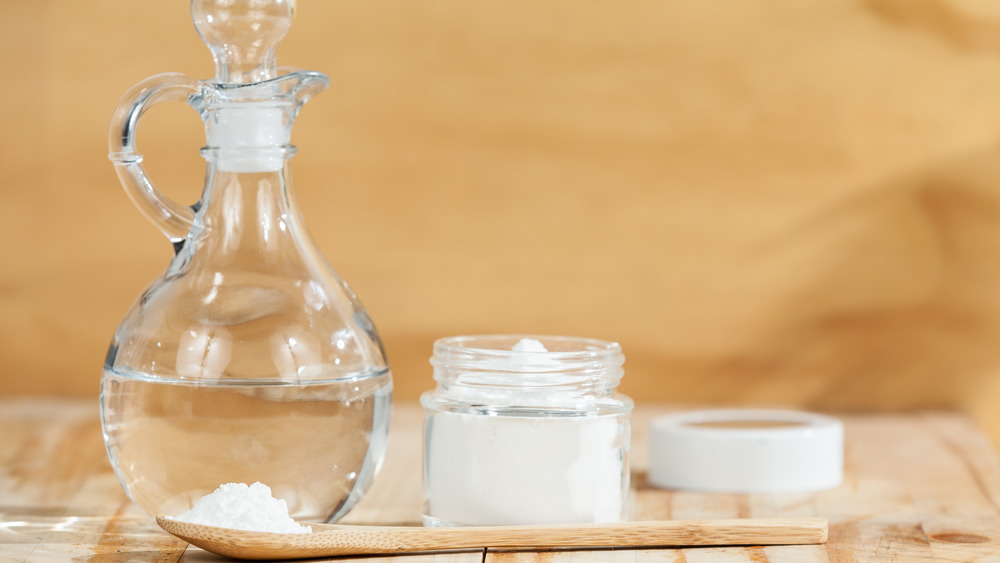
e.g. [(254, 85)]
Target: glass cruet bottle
[(249, 359)]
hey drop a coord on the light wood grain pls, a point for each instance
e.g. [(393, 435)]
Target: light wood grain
[(777, 202), (919, 487)]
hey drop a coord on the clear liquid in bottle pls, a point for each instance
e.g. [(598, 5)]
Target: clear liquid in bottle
[(317, 445)]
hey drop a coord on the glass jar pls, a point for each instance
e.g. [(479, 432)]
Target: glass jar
[(526, 430)]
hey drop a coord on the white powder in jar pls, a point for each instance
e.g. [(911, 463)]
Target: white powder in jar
[(241, 507), (509, 469), (529, 345)]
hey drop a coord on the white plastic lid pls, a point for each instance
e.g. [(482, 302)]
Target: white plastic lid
[(746, 451)]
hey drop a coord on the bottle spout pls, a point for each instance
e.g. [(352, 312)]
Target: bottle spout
[(304, 84), (243, 36)]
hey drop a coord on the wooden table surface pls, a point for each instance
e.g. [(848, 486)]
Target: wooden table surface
[(918, 487)]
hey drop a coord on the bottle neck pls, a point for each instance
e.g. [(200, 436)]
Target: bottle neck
[(265, 157), (249, 216)]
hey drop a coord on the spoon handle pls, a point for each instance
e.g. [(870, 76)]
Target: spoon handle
[(774, 531)]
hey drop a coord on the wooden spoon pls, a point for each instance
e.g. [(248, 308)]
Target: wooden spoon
[(330, 540)]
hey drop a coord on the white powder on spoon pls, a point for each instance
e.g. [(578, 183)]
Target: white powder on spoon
[(240, 507)]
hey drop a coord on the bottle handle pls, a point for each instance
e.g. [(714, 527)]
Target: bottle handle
[(173, 219)]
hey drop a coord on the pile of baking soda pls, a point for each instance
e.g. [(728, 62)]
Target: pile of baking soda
[(238, 506)]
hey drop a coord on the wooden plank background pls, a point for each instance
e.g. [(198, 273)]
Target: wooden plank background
[(765, 201)]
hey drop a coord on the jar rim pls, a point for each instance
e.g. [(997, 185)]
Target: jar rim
[(563, 353)]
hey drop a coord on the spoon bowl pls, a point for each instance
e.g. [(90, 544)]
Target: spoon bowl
[(328, 540)]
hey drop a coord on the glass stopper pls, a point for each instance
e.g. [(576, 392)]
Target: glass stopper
[(243, 36)]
